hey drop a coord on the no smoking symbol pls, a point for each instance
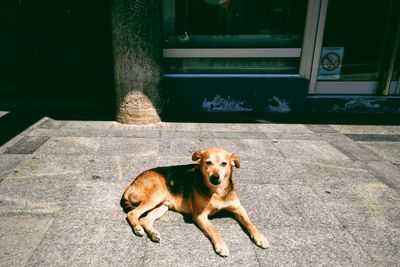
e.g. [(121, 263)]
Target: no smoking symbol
[(331, 61)]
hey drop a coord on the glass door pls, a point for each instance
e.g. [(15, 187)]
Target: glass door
[(357, 51)]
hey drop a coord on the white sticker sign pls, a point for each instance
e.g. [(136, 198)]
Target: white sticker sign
[(330, 65)]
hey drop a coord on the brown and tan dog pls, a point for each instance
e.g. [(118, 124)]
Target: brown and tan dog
[(199, 190)]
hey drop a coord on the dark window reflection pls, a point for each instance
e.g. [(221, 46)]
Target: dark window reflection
[(239, 17)]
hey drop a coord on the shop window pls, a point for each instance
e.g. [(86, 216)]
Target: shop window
[(233, 36)]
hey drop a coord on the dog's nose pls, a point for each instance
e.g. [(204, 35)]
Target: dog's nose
[(214, 179)]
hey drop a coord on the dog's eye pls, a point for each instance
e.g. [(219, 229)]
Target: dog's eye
[(223, 164), (208, 162)]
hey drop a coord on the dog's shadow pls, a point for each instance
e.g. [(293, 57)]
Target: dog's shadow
[(187, 218), (222, 214)]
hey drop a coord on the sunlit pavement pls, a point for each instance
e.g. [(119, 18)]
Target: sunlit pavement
[(322, 194)]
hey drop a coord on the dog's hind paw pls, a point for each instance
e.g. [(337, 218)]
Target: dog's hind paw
[(155, 237), (138, 230), (221, 249)]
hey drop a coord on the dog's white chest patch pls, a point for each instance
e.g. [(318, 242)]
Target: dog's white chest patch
[(218, 206)]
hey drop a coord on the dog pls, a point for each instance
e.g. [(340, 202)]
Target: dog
[(200, 190)]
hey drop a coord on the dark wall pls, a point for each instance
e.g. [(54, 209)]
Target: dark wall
[(56, 49), (187, 96)]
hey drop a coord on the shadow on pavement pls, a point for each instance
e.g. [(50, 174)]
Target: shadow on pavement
[(290, 118), (13, 122)]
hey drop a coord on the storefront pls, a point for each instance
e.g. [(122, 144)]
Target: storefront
[(151, 58), (280, 55)]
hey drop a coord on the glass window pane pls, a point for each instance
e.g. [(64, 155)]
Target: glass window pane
[(234, 23)]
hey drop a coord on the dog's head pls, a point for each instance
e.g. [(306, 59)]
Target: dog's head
[(216, 164)]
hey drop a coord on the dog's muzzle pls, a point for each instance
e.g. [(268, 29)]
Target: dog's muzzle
[(214, 179)]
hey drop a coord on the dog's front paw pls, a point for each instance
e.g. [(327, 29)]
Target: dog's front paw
[(261, 241), (221, 249)]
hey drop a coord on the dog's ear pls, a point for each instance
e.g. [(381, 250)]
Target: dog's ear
[(235, 160), (197, 155)]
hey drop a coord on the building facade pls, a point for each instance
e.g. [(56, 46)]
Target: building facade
[(157, 58), (282, 55)]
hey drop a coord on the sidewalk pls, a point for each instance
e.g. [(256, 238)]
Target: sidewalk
[(322, 194)]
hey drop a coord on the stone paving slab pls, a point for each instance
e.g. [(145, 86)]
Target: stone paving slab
[(64, 132), (228, 127), (355, 151), (182, 147), (183, 244), (115, 126), (366, 215), (135, 146), (8, 162), (239, 135), (250, 148), (367, 129), (313, 247), (320, 197), (35, 195), (132, 133), (317, 128), (290, 206), (44, 165), (104, 125), (294, 136), (27, 145), (95, 145), (283, 128), (165, 134), (382, 244), (374, 137), (88, 197), (267, 171), (330, 173), (309, 150), (388, 172), (19, 238), (368, 192), (49, 123), (389, 151), (111, 168), (124, 168), (174, 126), (70, 146), (89, 243)]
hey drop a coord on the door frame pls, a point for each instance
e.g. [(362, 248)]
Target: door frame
[(311, 56)]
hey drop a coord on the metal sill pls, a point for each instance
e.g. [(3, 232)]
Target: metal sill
[(269, 76)]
